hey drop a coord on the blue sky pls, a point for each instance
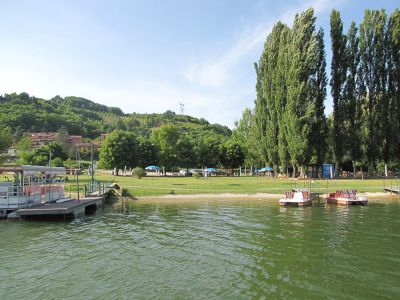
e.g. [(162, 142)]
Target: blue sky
[(149, 56)]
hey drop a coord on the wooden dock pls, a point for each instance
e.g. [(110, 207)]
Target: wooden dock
[(68, 208), (392, 190)]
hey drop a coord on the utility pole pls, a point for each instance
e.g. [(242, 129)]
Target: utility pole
[(78, 159), (91, 160), (49, 178)]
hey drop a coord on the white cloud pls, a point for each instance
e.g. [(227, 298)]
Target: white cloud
[(214, 71)]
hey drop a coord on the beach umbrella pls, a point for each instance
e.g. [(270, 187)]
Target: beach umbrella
[(266, 169), (152, 168)]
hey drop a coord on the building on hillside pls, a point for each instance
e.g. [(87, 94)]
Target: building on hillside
[(40, 139), (73, 139)]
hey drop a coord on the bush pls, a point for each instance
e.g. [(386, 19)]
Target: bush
[(380, 168), (138, 172)]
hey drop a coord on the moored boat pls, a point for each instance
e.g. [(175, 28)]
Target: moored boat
[(296, 198), (31, 185), (345, 197)]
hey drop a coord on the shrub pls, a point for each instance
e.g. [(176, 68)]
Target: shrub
[(138, 172), (380, 168)]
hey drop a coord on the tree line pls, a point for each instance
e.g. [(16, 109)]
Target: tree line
[(167, 146), (168, 138), (288, 126), (170, 148), (134, 140)]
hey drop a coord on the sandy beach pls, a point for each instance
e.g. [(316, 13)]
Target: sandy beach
[(235, 198)]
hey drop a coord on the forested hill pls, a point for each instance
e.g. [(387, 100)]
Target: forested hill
[(78, 116)]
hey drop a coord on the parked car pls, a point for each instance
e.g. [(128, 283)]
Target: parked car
[(185, 173)]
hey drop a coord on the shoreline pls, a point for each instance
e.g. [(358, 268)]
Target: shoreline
[(229, 197)]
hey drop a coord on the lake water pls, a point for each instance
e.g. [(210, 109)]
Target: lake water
[(206, 250)]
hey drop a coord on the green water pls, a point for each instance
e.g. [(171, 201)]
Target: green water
[(206, 250)]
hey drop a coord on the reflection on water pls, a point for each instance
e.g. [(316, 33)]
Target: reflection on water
[(203, 250)]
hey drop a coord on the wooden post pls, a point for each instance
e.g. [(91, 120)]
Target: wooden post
[(326, 185), (391, 186)]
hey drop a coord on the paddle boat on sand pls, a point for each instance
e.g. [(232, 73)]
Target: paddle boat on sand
[(296, 199), (345, 197)]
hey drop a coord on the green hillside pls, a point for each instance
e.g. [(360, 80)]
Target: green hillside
[(78, 116)]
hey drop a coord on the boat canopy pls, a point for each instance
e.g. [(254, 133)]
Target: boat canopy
[(27, 170)]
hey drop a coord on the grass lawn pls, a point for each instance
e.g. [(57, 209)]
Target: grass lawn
[(153, 186), (156, 186)]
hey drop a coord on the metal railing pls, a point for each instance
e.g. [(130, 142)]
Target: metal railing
[(95, 187), (15, 197), (393, 186)]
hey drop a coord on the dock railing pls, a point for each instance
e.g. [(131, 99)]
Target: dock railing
[(14, 197), (96, 188), (393, 186)]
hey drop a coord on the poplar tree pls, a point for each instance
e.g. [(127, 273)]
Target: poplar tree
[(281, 92), (393, 56), (337, 82), (260, 112), (373, 80), (271, 83), (353, 103), (319, 81), (299, 111)]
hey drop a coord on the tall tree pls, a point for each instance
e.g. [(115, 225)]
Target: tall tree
[(166, 138), (337, 82), (271, 86), (351, 94), (299, 114), (393, 56), (281, 95), (147, 153), (231, 154), (374, 80), (319, 126), (207, 150), (186, 156), (244, 135), (119, 149), (260, 111)]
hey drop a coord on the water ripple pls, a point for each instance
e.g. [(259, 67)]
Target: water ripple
[(240, 251)]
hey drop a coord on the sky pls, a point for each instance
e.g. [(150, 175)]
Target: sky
[(150, 56)]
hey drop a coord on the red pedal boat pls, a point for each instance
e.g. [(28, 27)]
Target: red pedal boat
[(346, 197)]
